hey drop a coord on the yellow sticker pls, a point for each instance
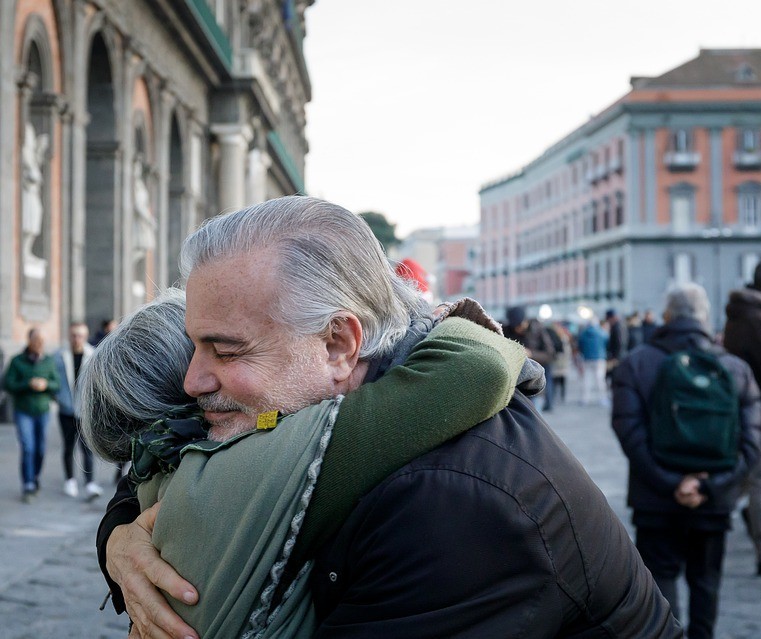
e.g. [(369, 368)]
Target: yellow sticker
[(267, 421)]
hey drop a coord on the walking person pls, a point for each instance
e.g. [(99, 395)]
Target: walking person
[(561, 339), (592, 344), (533, 336), (742, 337), (683, 490), (618, 340), (69, 362), (32, 381)]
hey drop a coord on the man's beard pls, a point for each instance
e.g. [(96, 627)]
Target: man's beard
[(298, 386)]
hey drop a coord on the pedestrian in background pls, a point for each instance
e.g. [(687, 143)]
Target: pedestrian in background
[(69, 362), (592, 344), (742, 337), (32, 381), (636, 334), (649, 325), (538, 344), (681, 507), (561, 340), (617, 339), (106, 326)]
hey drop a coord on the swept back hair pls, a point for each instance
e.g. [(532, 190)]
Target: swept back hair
[(327, 262), (689, 301), (135, 376)]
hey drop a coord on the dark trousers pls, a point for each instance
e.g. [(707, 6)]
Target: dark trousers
[(71, 435), (700, 553)]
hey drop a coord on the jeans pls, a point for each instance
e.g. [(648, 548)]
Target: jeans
[(31, 436), (700, 553), (70, 431)]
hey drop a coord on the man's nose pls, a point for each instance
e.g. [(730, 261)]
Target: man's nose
[(199, 380)]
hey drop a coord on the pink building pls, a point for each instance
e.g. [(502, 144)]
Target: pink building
[(663, 186)]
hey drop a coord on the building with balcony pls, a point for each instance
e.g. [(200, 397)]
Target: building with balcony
[(124, 124), (662, 186)]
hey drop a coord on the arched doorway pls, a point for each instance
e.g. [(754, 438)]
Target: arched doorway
[(101, 289)]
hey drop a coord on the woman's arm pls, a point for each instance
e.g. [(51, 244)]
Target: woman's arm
[(458, 376)]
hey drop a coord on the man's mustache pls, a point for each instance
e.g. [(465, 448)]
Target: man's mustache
[(216, 403)]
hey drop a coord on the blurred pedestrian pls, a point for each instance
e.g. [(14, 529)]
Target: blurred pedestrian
[(32, 381), (592, 343), (106, 326), (617, 339), (682, 498), (69, 362), (538, 344), (636, 335), (649, 325), (742, 337), (561, 339)]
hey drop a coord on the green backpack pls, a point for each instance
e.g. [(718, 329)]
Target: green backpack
[(694, 414)]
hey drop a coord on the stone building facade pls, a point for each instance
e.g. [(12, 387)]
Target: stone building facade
[(122, 126), (663, 186)]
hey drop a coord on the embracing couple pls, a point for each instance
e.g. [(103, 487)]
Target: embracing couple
[(315, 454)]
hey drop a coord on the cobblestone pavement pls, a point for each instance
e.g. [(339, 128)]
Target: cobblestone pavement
[(50, 585)]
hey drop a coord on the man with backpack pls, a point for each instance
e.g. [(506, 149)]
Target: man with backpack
[(687, 415)]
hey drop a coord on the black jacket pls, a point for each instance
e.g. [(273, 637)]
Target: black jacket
[(742, 332), (651, 486), (498, 533)]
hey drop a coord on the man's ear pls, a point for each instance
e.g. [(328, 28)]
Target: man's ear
[(343, 344)]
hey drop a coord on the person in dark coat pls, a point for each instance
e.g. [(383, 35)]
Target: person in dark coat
[(681, 519), (742, 337), (649, 325), (618, 339), (538, 344)]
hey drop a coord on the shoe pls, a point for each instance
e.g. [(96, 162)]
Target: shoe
[(26, 496), (70, 487), (93, 490)]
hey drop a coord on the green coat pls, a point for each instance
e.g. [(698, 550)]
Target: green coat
[(16, 382)]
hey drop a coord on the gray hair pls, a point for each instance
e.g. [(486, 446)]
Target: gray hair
[(135, 376), (328, 262), (688, 301)]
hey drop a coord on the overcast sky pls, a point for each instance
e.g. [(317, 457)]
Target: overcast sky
[(417, 103)]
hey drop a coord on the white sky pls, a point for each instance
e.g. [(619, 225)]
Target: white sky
[(417, 103)]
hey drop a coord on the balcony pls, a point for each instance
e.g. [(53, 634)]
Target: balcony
[(681, 160), (747, 160)]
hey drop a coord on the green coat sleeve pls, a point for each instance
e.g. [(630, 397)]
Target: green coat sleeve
[(458, 376)]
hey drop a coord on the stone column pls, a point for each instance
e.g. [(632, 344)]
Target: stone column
[(233, 147)]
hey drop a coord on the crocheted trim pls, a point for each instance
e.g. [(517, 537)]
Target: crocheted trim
[(259, 620)]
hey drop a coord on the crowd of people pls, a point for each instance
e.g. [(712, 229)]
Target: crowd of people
[(315, 453), (35, 381)]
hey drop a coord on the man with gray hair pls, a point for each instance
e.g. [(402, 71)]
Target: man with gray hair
[(498, 531), (682, 500)]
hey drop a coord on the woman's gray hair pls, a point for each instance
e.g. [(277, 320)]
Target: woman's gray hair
[(689, 301), (135, 376), (328, 262)]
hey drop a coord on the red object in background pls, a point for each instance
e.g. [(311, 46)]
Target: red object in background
[(409, 269)]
